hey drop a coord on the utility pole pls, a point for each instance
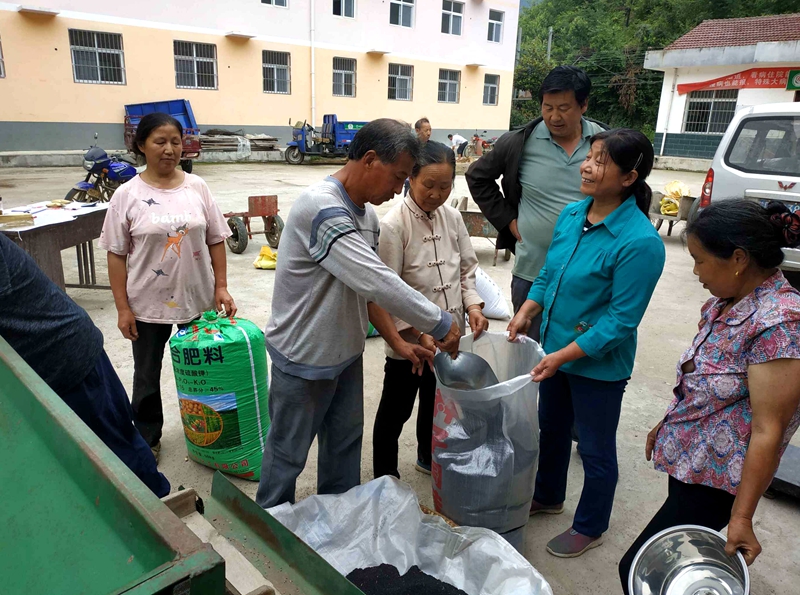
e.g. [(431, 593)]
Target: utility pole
[(549, 42)]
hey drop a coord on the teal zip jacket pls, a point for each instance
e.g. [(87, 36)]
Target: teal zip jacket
[(595, 287)]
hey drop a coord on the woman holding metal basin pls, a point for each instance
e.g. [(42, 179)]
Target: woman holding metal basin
[(602, 266), (737, 398)]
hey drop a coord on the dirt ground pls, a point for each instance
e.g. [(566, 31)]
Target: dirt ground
[(667, 329)]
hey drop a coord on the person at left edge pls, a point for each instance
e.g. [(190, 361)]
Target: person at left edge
[(330, 283), (56, 337), (599, 275), (166, 261)]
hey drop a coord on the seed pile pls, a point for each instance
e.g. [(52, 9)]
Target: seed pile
[(386, 580)]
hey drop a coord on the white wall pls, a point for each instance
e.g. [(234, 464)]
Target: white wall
[(370, 29), (747, 97)]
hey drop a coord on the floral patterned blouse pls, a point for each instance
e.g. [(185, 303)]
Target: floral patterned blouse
[(706, 430)]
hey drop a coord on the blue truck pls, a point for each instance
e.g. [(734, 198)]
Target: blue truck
[(181, 110), (332, 141)]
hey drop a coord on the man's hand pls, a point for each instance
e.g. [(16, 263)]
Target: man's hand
[(519, 325), (224, 301), (742, 538), (477, 322), (515, 230), (126, 323), (417, 355), (650, 443), (450, 343)]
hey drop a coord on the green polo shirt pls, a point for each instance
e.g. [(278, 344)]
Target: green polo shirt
[(550, 181)]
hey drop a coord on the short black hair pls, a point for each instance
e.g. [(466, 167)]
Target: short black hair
[(450, 136), (432, 153), (387, 137), (418, 124), (567, 78), (733, 223), (149, 123)]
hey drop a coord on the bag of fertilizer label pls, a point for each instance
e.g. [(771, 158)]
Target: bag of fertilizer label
[(372, 331), (220, 367)]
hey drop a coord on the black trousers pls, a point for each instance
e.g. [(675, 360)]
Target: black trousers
[(686, 504), (148, 353), (400, 387)]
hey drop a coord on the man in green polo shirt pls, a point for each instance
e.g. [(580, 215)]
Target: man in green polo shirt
[(540, 165)]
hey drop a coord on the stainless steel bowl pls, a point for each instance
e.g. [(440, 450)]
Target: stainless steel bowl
[(688, 560), (466, 372)]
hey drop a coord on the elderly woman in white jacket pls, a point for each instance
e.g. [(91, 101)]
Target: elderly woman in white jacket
[(427, 244)]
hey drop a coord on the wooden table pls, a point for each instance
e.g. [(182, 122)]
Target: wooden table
[(53, 232)]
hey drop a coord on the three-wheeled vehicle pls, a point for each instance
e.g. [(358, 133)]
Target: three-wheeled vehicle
[(332, 141), (181, 110)]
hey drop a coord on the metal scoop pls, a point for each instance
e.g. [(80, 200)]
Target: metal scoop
[(466, 372)]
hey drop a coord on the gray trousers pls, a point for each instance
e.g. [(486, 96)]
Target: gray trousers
[(301, 410), (520, 288)]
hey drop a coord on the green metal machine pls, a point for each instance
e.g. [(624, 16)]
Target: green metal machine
[(76, 520)]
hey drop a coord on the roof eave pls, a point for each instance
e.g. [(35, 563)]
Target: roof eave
[(760, 53)]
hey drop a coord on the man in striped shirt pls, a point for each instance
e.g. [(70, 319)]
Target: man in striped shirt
[(329, 284)]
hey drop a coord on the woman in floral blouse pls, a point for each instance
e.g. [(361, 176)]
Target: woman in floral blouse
[(737, 399)]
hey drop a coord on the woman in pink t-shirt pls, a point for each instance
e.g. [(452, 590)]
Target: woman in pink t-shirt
[(166, 260)]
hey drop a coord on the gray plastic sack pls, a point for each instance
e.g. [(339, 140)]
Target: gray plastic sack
[(381, 523), (486, 442)]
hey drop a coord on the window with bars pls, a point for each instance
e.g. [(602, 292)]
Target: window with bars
[(449, 85), (344, 8), (491, 84), (401, 82), (401, 12), (344, 77), (496, 26), (277, 69), (710, 112), (2, 63), (451, 17), (195, 65), (283, 3), (97, 57)]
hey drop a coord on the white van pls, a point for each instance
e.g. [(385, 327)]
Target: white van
[(759, 159)]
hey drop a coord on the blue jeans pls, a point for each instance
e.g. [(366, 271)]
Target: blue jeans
[(302, 410), (594, 406)]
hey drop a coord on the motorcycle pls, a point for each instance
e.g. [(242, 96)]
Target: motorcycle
[(479, 145), (105, 175)]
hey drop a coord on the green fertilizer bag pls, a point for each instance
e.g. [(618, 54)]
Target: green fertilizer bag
[(220, 367)]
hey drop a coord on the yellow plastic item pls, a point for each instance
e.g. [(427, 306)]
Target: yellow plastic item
[(266, 259), (670, 206), (676, 189)]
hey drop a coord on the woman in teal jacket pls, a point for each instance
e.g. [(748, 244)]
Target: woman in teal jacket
[(601, 269)]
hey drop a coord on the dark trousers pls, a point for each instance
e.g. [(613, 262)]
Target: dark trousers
[(594, 407), (148, 352), (520, 288), (686, 504), (301, 410), (461, 148), (400, 387), (101, 402)]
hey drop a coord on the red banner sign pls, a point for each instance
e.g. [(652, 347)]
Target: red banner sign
[(755, 78)]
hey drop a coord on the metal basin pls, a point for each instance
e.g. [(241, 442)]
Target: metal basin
[(688, 560), (466, 372)]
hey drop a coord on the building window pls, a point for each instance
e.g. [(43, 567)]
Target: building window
[(496, 26), (2, 63), (448, 85), (97, 57), (283, 3), (195, 65), (401, 82), (344, 8), (451, 17), (277, 68), (344, 77), (401, 12), (710, 112), (491, 83)]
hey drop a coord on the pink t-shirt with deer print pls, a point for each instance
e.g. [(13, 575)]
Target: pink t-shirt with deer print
[(166, 234)]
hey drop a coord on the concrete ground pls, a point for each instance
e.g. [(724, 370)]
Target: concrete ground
[(667, 329)]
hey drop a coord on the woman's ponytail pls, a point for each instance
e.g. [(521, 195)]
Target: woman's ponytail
[(643, 194)]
